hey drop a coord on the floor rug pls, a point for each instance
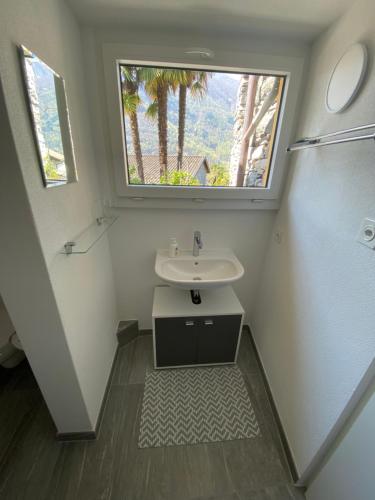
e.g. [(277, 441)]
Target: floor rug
[(196, 405)]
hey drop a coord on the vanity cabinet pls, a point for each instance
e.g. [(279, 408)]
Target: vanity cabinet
[(187, 334)]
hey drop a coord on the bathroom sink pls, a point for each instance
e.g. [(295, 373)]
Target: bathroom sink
[(212, 268)]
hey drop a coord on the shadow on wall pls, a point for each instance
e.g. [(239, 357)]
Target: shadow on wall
[(222, 20), (11, 352)]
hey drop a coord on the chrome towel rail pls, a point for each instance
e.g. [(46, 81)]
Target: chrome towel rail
[(320, 140)]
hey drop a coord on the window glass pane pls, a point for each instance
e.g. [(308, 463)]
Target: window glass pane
[(186, 127)]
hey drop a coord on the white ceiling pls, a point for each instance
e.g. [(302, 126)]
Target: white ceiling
[(291, 19)]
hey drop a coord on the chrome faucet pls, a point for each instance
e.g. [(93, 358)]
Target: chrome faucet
[(198, 244)]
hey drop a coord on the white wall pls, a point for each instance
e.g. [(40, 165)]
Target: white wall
[(28, 294), (314, 318), (104, 46), (82, 285), (138, 233), (349, 472)]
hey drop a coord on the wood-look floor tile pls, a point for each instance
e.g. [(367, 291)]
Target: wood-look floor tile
[(20, 398), (278, 492), (32, 462), (142, 476), (221, 480), (134, 360), (102, 467), (121, 372), (246, 359), (258, 396), (114, 468), (142, 359), (140, 473), (252, 464), (172, 472), (197, 471), (230, 496), (67, 474)]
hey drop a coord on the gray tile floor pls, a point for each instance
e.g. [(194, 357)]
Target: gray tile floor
[(113, 467), (20, 399)]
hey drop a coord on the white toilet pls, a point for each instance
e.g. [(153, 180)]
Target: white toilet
[(11, 353)]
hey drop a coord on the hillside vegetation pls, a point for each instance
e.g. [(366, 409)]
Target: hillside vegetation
[(209, 122)]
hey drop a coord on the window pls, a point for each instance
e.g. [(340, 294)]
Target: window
[(199, 128)]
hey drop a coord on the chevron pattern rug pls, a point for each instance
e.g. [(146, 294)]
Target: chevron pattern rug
[(196, 405)]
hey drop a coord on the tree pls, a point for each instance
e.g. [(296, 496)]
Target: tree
[(133, 175), (179, 178), (131, 78), (196, 82), (50, 169), (218, 176), (158, 82), (251, 122), (249, 115)]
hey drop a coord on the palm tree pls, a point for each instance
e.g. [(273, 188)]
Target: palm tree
[(196, 82), (158, 82), (131, 78)]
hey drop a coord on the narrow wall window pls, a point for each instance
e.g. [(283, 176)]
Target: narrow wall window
[(187, 127)]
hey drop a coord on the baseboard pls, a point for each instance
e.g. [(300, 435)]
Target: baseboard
[(91, 435), (284, 440), (106, 392), (146, 331), (126, 332), (76, 436)]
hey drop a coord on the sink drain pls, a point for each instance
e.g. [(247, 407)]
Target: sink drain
[(195, 297), (197, 278)]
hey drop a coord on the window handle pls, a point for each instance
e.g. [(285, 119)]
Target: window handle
[(189, 323), (208, 322)]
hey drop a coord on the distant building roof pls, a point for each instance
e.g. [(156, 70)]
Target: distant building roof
[(151, 165)]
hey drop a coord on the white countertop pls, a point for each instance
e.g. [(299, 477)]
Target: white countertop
[(170, 302)]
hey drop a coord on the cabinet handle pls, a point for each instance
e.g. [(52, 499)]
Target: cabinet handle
[(189, 323), (208, 322)]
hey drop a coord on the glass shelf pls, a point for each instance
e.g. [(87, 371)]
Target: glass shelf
[(87, 239)]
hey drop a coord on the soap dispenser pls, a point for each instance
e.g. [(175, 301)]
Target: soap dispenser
[(173, 247)]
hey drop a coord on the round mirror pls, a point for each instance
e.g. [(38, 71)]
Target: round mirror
[(346, 78)]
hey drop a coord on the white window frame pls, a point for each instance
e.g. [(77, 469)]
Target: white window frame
[(290, 67)]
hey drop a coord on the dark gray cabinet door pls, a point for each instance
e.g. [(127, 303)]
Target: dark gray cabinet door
[(199, 340), (175, 341), (217, 339)]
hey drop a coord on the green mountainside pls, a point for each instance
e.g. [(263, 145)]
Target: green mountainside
[(209, 122), (49, 117)]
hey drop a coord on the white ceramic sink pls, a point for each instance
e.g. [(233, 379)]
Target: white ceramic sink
[(212, 268)]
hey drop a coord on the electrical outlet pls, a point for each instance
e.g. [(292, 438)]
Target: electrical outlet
[(366, 235), (278, 236)]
